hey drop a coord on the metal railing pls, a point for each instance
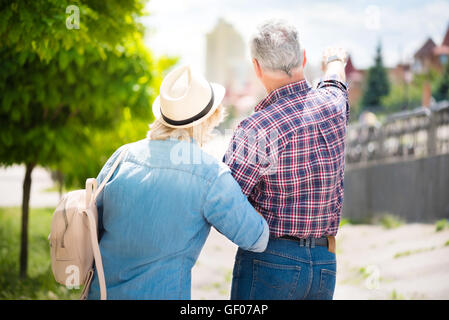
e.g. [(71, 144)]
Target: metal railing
[(409, 134)]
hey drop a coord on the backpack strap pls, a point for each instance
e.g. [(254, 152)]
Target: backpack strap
[(90, 187), (110, 173), (97, 254)]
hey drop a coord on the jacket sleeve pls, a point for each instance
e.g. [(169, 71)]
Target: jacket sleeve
[(228, 210)]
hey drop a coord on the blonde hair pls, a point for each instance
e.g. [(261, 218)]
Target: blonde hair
[(201, 132)]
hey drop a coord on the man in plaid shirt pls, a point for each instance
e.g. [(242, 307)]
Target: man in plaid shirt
[(288, 158)]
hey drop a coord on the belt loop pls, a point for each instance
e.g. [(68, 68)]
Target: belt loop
[(307, 242), (312, 244), (301, 242)]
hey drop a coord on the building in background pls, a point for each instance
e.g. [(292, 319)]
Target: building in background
[(227, 63), (442, 51), (430, 56), (354, 78)]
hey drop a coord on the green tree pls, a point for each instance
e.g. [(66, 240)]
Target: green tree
[(441, 91), (409, 95), (377, 84), (58, 86), (103, 142)]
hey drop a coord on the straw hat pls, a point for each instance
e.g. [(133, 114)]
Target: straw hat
[(186, 98)]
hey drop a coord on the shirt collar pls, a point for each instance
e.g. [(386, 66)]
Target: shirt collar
[(284, 91)]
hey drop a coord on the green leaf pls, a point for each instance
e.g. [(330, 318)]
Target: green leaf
[(63, 60)]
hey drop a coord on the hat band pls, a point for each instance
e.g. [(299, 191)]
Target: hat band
[(194, 118)]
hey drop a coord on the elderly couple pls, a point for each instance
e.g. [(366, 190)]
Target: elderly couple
[(156, 211)]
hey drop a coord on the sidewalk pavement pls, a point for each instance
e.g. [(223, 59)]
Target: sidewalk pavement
[(409, 262), (11, 182)]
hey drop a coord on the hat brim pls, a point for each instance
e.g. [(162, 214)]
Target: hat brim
[(219, 93)]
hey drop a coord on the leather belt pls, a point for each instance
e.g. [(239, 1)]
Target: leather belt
[(308, 242), (328, 242)]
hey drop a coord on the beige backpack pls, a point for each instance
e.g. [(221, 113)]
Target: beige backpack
[(73, 237)]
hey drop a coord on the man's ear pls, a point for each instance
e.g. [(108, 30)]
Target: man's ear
[(304, 59), (257, 68)]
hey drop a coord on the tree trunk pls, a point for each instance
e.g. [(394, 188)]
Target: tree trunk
[(25, 211), (60, 178)]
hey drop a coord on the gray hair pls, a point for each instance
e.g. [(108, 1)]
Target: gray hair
[(275, 45)]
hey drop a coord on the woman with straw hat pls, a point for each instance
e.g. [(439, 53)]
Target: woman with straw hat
[(156, 210)]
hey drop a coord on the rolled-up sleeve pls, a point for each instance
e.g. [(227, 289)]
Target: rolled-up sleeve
[(333, 85), (228, 210)]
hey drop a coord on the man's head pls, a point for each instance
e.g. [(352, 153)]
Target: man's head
[(276, 54)]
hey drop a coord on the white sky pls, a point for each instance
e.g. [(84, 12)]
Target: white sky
[(178, 27)]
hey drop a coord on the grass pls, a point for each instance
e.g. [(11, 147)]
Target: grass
[(396, 295), (345, 221), (222, 287), (384, 219), (410, 252), (40, 283), (389, 221), (442, 224)]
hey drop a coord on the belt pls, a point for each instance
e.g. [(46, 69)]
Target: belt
[(308, 242), (328, 242)]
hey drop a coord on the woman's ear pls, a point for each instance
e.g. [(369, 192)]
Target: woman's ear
[(257, 68)]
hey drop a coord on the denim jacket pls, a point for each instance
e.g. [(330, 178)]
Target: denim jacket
[(155, 214)]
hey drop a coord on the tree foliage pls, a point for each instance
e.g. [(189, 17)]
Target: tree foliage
[(103, 142), (377, 84), (441, 91), (57, 83)]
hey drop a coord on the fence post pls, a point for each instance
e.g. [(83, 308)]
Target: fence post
[(432, 134)]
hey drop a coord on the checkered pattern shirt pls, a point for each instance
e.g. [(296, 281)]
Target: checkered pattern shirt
[(288, 157)]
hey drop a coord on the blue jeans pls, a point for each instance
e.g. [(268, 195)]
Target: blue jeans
[(284, 271)]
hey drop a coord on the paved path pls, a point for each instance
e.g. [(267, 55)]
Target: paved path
[(11, 180), (409, 262)]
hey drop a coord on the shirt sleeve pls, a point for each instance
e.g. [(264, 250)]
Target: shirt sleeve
[(333, 86), (229, 211), (242, 159)]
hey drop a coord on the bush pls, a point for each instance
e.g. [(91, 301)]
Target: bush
[(441, 225), (389, 221)]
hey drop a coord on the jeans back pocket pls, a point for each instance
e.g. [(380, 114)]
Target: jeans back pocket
[(274, 281), (327, 284)]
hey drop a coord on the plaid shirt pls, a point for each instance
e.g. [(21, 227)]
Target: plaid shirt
[(288, 157)]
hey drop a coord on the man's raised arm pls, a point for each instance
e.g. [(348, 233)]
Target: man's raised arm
[(334, 62)]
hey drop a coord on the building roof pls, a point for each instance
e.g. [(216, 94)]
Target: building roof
[(426, 50), (349, 68), (351, 72), (444, 48), (446, 38)]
